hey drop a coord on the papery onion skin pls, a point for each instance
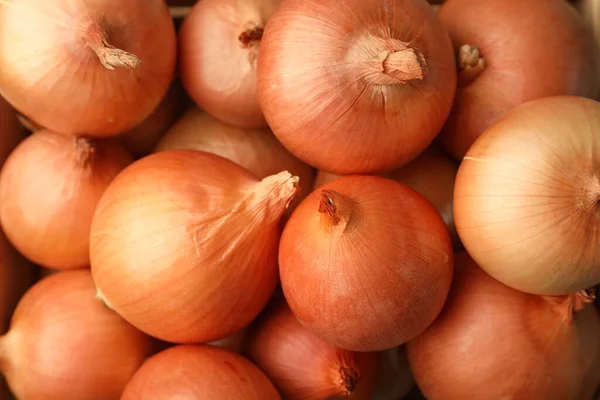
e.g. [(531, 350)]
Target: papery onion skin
[(51, 73), (324, 93), (255, 149), (518, 42), (199, 372), (49, 188), (64, 343), (432, 174), (488, 331), (304, 367), (140, 141), (217, 65), (184, 244), (365, 263), (527, 195)]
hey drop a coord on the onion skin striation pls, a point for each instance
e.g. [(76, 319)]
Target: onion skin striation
[(350, 287), (494, 342), (507, 54), (86, 67), (527, 194), (184, 244), (356, 86)]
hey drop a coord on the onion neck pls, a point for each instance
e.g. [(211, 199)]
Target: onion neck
[(470, 63), (348, 379), (568, 305), (110, 56), (273, 195), (338, 212), (251, 37), (398, 64), (84, 151)]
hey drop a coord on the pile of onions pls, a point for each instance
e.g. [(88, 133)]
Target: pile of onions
[(184, 244), (356, 86), (219, 45), (10, 130), (257, 150), (199, 372), (16, 275), (304, 367), (93, 67), (432, 174), (528, 193), (494, 342), (64, 344), (140, 141), (365, 263), (49, 188), (508, 53)]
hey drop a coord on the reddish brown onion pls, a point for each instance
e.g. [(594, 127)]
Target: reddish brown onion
[(64, 344), (508, 53), (365, 263), (356, 86), (199, 373), (304, 367), (184, 244), (49, 189), (494, 342), (86, 67), (219, 44)]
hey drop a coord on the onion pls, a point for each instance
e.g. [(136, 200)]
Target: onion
[(257, 150), (49, 189), (507, 55), (219, 42), (527, 197), (16, 275), (350, 287), (395, 380), (141, 140), (10, 131), (432, 174), (199, 372), (356, 86), (303, 366), (86, 67), (541, 347), (64, 344), (184, 244)]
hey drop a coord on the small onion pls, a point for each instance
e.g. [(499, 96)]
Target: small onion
[(432, 174), (494, 342), (86, 67), (184, 244), (527, 197), (140, 141), (365, 263), (219, 43), (356, 86), (510, 52), (199, 373), (303, 366), (49, 188), (64, 344), (257, 150)]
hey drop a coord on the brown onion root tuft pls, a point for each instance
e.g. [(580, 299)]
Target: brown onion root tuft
[(251, 36), (349, 379), (470, 63)]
